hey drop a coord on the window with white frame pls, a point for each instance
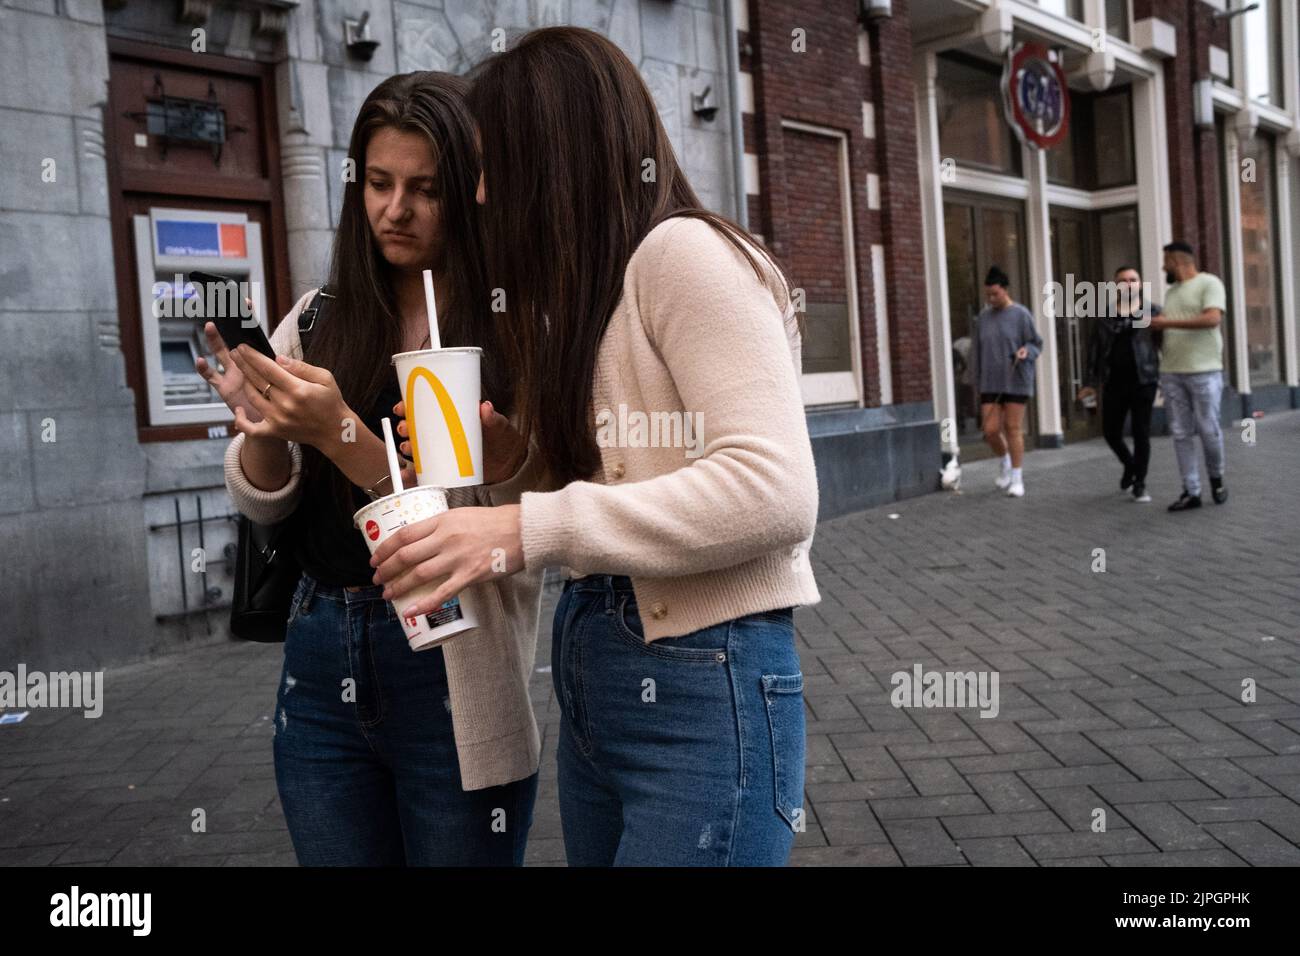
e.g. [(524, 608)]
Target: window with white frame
[(1263, 38), (1066, 8), (822, 262), (1117, 16), (1260, 262)]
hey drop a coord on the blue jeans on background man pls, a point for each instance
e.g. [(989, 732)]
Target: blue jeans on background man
[(367, 772), (686, 751), (1192, 400)]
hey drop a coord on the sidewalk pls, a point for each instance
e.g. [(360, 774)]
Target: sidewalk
[(1119, 692)]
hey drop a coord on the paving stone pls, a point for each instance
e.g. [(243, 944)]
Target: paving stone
[(849, 823), (1197, 858), (1165, 826), (934, 777), (923, 842), (911, 807), (995, 851), (878, 855), (1004, 824), (1255, 843), (1152, 791), (1075, 844), (1004, 792)]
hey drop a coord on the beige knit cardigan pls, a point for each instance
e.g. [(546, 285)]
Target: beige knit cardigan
[(722, 529)]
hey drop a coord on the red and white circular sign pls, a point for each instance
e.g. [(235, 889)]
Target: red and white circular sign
[(1036, 96)]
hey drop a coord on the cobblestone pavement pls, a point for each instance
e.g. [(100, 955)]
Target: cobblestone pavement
[(1119, 692)]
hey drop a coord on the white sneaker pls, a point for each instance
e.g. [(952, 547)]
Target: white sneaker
[(1004, 482), (1015, 489)]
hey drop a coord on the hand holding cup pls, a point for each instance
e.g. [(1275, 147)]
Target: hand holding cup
[(503, 446)]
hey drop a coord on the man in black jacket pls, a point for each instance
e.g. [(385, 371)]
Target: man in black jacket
[(1123, 359)]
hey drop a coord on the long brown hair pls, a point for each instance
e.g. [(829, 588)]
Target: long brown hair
[(578, 169), (363, 329)]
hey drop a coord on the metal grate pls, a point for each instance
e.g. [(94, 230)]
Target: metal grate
[(210, 596)]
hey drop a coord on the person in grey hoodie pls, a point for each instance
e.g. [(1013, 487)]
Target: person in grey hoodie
[(1006, 346)]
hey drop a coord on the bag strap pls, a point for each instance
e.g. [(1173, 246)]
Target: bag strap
[(309, 316)]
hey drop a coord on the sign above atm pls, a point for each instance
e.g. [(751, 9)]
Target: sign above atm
[(202, 239)]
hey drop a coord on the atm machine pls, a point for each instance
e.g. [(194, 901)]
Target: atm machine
[(169, 244)]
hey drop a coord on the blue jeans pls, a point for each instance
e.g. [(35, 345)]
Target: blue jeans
[(685, 752), (1192, 399), (365, 757)]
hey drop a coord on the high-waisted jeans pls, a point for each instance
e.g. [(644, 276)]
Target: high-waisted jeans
[(365, 757), (688, 751)]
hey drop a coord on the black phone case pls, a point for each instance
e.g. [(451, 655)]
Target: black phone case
[(233, 331)]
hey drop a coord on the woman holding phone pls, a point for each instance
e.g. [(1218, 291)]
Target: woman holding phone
[(673, 656), (385, 756)]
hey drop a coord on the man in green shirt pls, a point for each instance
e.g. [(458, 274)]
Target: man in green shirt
[(1191, 370)]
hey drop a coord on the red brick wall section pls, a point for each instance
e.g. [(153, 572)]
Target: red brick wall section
[(903, 234), (1209, 171), (1194, 167)]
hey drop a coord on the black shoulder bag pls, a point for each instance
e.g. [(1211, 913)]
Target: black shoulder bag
[(266, 573)]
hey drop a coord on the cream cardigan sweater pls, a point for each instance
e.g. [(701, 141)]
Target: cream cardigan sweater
[(710, 532), (488, 668)]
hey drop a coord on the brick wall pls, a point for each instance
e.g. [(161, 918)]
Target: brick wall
[(1194, 153), (826, 85), (902, 232)]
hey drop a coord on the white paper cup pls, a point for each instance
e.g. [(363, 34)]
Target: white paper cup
[(441, 391), (377, 521)]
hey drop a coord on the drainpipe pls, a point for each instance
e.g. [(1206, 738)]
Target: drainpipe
[(737, 123)]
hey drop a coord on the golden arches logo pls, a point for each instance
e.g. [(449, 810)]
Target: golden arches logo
[(459, 443)]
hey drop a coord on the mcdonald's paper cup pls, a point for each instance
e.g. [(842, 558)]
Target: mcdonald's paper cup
[(381, 518), (441, 391)]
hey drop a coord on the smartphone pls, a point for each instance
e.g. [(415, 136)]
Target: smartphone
[(237, 329)]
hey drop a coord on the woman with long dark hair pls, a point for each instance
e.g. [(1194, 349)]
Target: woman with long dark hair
[(383, 755), (655, 353)]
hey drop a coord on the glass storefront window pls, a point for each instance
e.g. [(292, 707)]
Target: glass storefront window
[(1262, 38), (1086, 247), (1112, 115), (1097, 153), (1062, 165), (1117, 18), (972, 128), (979, 232), (1117, 230), (1260, 261), (1066, 8)]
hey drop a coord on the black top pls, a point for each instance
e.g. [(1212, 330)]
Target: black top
[(329, 547), (1122, 368)]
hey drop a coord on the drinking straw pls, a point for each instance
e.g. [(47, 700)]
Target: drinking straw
[(432, 306), (394, 469)]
